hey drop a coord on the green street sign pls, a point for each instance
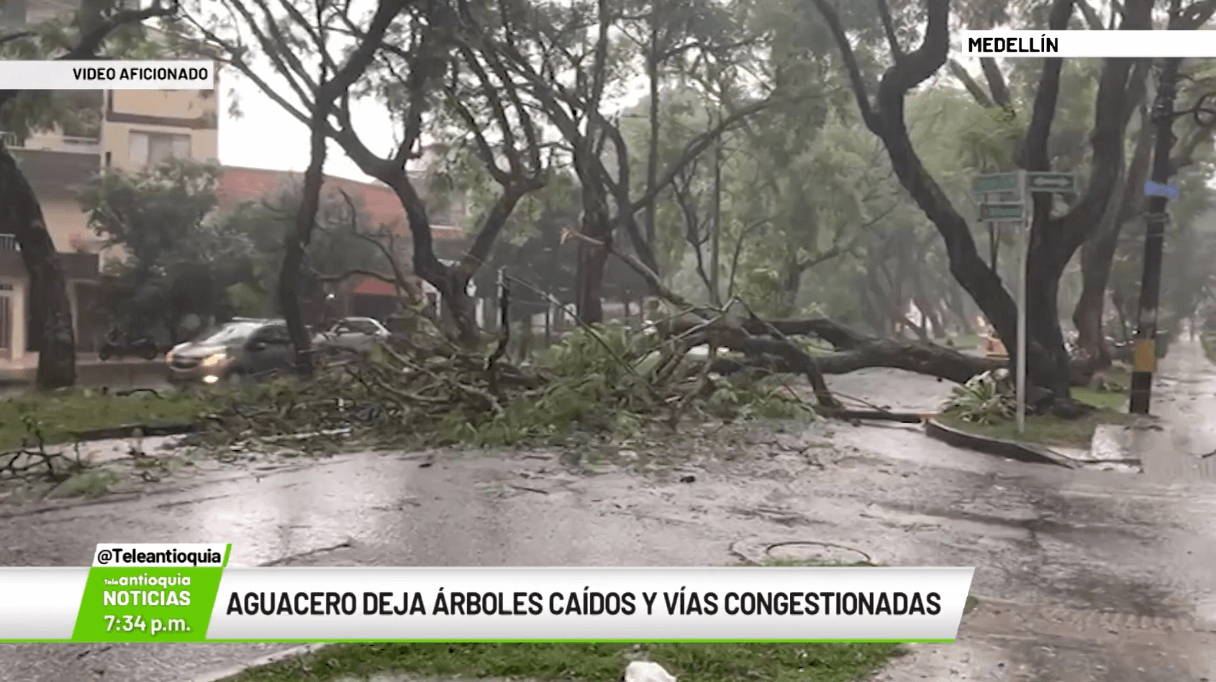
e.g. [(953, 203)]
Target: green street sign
[(996, 182), (1047, 183), (1005, 211)]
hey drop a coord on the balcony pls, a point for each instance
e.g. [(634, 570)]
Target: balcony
[(84, 266), (53, 142)]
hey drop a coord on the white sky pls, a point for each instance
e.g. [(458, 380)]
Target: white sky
[(266, 136)]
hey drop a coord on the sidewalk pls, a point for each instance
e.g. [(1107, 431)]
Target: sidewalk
[(1180, 447), (90, 371)]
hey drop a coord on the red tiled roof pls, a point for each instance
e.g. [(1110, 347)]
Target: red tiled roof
[(371, 286), (239, 185)]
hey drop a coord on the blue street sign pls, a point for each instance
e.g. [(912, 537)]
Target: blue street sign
[(1152, 189)]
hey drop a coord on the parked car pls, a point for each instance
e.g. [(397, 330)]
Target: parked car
[(354, 334), (241, 349)]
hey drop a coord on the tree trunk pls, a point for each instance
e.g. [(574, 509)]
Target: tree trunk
[(958, 307), (1098, 253), (490, 316), (296, 243), (459, 307), (792, 282), (1043, 322), (1091, 305), (652, 158), (51, 309), (591, 261)]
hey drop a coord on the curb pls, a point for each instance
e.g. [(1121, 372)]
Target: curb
[(129, 431), (294, 652), (1008, 449)]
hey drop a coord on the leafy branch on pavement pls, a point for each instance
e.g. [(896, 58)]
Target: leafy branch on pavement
[(33, 462), (602, 379)]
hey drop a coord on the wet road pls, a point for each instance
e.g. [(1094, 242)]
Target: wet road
[(1082, 575)]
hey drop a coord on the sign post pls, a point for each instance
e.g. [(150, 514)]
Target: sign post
[(1022, 185), (1011, 211), (1023, 250)]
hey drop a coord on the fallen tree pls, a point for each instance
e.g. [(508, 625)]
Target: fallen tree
[(856, 351)]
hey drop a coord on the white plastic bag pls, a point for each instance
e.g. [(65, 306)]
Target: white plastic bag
[(647, 671)]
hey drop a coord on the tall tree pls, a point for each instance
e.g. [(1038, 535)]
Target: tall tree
[(179, 255), (568, 60), (435, 74), (1054, 237)]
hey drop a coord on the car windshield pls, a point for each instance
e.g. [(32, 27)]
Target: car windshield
[(229, 333)]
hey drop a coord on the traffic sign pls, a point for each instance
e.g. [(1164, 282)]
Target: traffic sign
[(996, 182), (1058, 183), (1152, 189), (1006, 211)]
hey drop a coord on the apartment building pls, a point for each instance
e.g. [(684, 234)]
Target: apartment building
[(132, 130)]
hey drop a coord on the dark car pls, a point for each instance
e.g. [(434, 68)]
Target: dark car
[(240, 349)]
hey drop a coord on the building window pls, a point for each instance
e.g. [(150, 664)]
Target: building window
[(148, 150)]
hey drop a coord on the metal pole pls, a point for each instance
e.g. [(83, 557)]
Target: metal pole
[(1144, 359), (1023, 249), (715, 296)]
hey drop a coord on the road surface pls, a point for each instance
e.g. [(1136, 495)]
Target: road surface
[(1082, 575)]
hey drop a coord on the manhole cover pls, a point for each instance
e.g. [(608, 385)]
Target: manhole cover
[(816, 552)]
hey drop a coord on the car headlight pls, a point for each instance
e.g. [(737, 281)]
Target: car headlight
[(169, 356), (215, 359)]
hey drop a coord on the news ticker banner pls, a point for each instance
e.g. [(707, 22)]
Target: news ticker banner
[(189, 593), (107, 75), (1131, 44)]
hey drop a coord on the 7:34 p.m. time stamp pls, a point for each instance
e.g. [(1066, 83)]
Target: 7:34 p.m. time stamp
[(151, 626)]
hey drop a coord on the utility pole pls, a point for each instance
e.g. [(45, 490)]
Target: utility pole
[(716, 238), (1145, 354)]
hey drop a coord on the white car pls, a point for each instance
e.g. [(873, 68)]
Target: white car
[(358, 334)]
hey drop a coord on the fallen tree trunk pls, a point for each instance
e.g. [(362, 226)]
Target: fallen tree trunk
[(921, 357), (854, 351)]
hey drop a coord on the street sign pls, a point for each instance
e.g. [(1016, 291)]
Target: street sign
[(1152, 189), (1012, 189), (1006, 211), (1058, 183), (996, 182)]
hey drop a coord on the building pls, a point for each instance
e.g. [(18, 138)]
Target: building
[(361, 295), (131, 130)]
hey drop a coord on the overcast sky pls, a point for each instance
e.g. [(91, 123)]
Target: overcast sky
[(266, 136)]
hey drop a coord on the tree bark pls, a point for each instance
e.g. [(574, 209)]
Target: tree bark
[(296, 244), (652, 151), (51, 310), (592, 258), (1098, 255), (854, 351)]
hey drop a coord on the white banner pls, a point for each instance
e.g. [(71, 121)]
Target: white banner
[(1132, 44), (40, 603), (107, 75), (635, 604)]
